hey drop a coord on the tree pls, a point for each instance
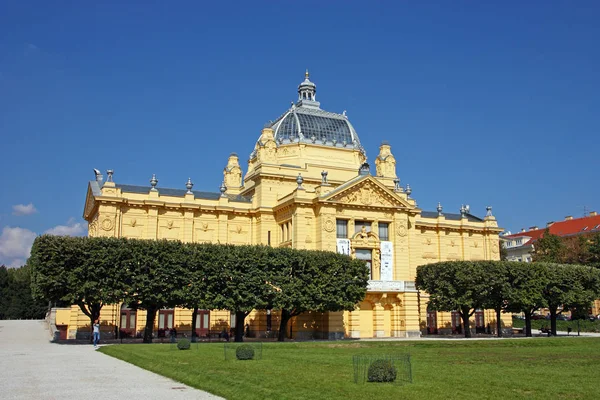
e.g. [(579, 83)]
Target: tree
[(194, 294), (155, 270), (455, 286), (3, 291), (527, 282), (569, 286), (594, 250), (549, 248), (79, 270), (498, 289), (320, 281), (243, 281)]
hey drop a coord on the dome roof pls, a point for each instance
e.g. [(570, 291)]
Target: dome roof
[(313, 125), (306, 122)]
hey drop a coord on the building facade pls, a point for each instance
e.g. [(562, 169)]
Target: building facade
[(307, 185)]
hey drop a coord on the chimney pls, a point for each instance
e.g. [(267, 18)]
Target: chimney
[(533, 228), (568, 217), (549, 223), (593, 214), (522, 229)]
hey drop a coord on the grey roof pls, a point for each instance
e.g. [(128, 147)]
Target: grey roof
[(450, 216), (182, 192), (313, 125)]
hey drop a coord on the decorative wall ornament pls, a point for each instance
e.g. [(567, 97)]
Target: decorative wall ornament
[(107, 224), (93, 228), (366, 195), (401, 228), (169, 224), (133, 222), (204, 226), (329, 225)]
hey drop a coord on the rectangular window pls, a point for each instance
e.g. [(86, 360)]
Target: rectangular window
[(358, 226), (366, 256), (383, 231), (232, 325), (341, 229)]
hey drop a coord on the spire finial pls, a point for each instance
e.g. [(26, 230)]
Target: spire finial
[(306, 75)]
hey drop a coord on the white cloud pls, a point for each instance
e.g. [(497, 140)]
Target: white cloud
[(22, 209), (15, 245), (72, 228)]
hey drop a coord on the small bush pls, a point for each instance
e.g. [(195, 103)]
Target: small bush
[(381, 371), (244, 352), (183, 344)]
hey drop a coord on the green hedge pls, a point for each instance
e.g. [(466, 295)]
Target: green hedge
[(584, 325)]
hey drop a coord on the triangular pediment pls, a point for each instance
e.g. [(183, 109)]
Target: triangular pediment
[(90, 200), (366, 191)]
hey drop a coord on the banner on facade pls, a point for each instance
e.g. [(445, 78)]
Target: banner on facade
[(343, 246), (387, 261)]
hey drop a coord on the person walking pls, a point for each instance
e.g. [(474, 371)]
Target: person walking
[(96, 332)]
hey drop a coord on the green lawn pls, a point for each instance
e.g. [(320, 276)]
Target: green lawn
[(537, 368)]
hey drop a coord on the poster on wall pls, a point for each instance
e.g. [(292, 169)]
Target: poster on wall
[(387, 257), (343, 246)]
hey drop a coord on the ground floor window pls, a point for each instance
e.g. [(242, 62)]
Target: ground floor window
[(432, 322), (456, 323), (202, 325), (165, 321), (479, 321), (128, 322)]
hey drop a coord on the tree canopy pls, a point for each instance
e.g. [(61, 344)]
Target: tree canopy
[(464, 286), (151, 275)]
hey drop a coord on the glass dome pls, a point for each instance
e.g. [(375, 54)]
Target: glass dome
[(313, 125)]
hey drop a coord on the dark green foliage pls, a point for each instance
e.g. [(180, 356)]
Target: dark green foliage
[(16, 300), (183, 344), (508, 286), (456, 285), (316, 281), (244, 352), (381, 371), (155, 274)]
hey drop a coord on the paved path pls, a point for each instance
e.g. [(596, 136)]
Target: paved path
[(33, 368)]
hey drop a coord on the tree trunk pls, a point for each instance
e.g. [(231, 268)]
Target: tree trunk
[(527, 323), (498, 322), (93, 313), (464, 313), (285, 318), (553, 320), (240, 316), (150, 318), (194, 318)]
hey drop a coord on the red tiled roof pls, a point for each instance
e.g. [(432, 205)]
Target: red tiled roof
[(564, 228)]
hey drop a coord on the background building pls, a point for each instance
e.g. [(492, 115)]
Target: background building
[(521, 246), (307, 186)]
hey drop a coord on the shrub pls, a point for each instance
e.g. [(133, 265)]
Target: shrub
[(381, 371), (183, 344), (244, 352)]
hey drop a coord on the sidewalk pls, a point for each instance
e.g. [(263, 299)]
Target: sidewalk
[(34, 368)]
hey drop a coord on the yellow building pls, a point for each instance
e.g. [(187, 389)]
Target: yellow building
[(307, 186)]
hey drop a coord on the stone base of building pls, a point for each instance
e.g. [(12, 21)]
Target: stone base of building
[(407, 334)]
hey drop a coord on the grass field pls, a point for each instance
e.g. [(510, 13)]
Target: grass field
[(537, 368)]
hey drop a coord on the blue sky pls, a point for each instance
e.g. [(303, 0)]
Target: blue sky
[(483, 104)]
